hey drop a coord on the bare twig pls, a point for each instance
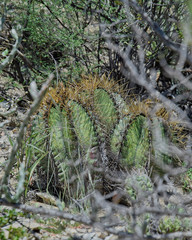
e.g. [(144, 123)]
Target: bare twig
[(81, 218), (8, 113), (4, 123), (176, 73), (142, 80), (176, 47), (47, 212), (174, 235), (10, 57), (17, 144)]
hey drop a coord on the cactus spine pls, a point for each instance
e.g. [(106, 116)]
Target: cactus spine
[(94, 114)]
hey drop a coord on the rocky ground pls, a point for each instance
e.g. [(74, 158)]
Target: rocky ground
[(37, 227)]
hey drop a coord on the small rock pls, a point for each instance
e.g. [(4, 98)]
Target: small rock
[(72, 222), (101, 235), (89, 236), (46, 198), (120, 229), (111, 237), (65, 238), (13, 225), (96, 238), (6, 233), (82, 230), (71, 231), (29, 223), (90, 230)]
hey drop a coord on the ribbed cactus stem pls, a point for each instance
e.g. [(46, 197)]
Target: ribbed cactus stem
[(93, 124)]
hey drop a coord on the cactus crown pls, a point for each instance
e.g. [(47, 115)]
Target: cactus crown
[(92, 121)]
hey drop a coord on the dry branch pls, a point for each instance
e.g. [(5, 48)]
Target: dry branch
[(17, 144)]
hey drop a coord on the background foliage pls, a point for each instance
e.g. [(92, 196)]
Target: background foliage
[(66, 36)]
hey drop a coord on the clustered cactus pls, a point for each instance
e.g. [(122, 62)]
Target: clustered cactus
[(89, 133)]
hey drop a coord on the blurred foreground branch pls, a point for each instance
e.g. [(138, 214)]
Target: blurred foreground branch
[(11, 55), (17, 144)]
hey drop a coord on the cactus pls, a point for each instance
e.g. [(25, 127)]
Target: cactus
[(93, 124)]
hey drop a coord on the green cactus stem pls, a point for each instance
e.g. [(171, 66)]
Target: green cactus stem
[(94, 114)]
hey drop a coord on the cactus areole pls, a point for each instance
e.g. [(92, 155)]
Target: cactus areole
[(90, 133)]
